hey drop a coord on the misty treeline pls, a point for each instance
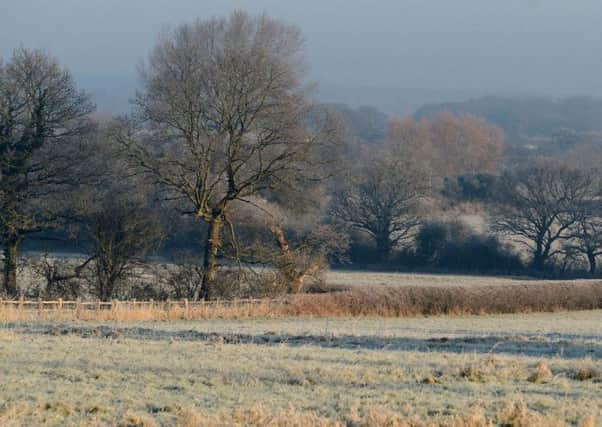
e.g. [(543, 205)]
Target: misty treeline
[(228, 172), (534, 126)]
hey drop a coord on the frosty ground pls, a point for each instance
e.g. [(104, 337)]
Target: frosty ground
[(359, 371)]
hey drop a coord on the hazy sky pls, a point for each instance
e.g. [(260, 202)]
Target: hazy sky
[(551, 47)]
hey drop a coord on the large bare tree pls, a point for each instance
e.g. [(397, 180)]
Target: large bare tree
[(222, 117), (42, 118), (540, 205)]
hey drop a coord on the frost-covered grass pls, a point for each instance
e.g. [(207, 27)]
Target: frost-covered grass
[(359, 372), (348, 278)]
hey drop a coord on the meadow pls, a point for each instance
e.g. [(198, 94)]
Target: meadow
[(517, 369)]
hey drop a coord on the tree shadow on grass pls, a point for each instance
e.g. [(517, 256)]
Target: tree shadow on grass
[(540, 345)]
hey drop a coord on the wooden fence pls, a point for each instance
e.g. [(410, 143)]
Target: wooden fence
[(185, 308)]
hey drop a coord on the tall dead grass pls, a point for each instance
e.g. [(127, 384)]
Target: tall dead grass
[(370, 301), (449, 300), (515, 414), (125, 311)]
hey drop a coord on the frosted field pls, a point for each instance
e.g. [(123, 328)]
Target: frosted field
[(352, 279), (357, 372)]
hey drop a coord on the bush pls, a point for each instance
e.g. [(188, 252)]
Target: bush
[(453, 246), (185, 281), (145, 291), (479, 254), (434, 237), (362, 251), (470, 187), (266, 284)]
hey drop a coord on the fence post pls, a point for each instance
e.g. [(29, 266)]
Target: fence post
[(21, 301), (186, 309), (40, 307), (60, 306), (97, 309), (77, 308)]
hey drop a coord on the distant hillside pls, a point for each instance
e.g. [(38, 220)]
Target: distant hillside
[(533, 125), (395, 101), (529, 117)]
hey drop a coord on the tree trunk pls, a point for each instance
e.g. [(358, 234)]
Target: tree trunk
[(592, 263), (295, 275), (288, 267), (212, 246), (10, 267), (539, 257), (384, 247), (538, 262)]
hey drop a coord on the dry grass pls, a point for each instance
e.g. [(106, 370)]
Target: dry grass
[(513, 414), (259, 416), (588, 421), (542, 373), (517, 414), (451, 300), (455, 296), (127, 311), (356, 372), (256, 416), (588, 372)]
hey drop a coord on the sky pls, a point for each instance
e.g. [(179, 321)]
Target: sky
[(439, 48)]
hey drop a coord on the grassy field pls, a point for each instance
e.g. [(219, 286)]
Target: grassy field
[(521, 370), (346, 279)]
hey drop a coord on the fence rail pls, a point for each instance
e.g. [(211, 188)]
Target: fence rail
[(80, 309)]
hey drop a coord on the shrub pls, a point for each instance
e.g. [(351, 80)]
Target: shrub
[(453, 246), (185, 281), (145, 291), (542, 373), (478, 187)]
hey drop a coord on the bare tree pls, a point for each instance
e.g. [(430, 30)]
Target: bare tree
[(587, 235), (450, 145), (121, 232), (309, 255), (381, 198), (63, 278), (186, 278), (296, 241), (540, 205), (42, 115), (221, 117), (466, 145), (588, 242)]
